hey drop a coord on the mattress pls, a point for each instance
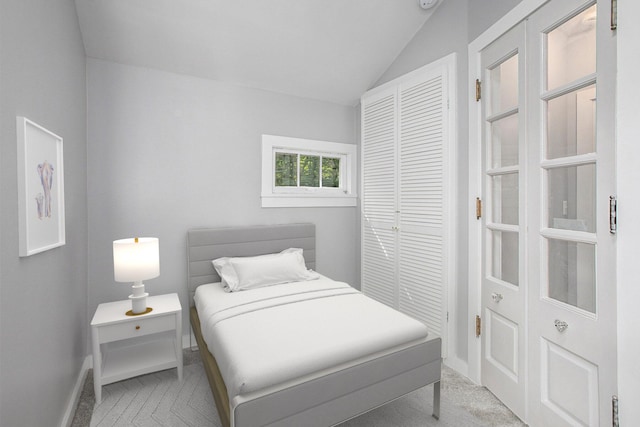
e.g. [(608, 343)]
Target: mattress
[(278, 334)]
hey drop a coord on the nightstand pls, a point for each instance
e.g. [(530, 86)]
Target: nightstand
[(128, 346)]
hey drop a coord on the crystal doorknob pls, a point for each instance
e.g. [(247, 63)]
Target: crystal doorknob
[(561, 326), (496, 297)]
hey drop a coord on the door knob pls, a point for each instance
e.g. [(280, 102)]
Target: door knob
[(561, 326), (496, 297)]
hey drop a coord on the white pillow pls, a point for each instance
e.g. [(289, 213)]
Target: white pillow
[(226, 272), (243, 273)]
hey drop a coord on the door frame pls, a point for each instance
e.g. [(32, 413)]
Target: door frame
[(504, 24), (628, 175)]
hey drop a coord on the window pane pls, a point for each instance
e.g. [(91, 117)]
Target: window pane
[(504, 86), (571, 128), (504, 259), (309, 171), (505, 199), (571, 49), (286, 170), (504, 142), (572, 273), (330, 172), (572, 198)]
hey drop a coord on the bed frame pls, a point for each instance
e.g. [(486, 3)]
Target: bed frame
[(206, 244)]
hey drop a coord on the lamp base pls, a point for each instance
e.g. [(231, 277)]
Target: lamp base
[(138, 298), (131, 313)]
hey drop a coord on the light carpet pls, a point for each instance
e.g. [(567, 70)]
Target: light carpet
[(159, 399)]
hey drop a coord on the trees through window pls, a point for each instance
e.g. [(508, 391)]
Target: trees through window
[(306, 170)]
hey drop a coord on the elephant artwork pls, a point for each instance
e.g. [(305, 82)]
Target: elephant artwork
[(39, 202), (45, 171)]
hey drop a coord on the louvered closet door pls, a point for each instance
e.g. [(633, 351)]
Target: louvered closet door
[(421, 167), (379, 197)]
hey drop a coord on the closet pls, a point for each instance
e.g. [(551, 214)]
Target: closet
[(407, 139)]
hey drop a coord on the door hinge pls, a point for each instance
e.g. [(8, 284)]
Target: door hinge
[(613, 215), (614, 15), (478, 326), (478, 90), (478, 208), (614, 411)]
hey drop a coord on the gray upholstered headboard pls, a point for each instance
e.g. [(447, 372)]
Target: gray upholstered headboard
[(206, 244)]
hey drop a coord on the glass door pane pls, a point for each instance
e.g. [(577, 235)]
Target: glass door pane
[(572, 273), (505, 199), (571, 123), (506, 254), (504, 85), (571, 50), (571, 161), (504, 142), (572, 192)]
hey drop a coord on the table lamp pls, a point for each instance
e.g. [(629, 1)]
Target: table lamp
[(135, 260)]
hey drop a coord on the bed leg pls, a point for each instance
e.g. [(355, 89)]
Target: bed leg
[(436, 400)]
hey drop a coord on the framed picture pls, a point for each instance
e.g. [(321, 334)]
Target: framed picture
[(40, 188)]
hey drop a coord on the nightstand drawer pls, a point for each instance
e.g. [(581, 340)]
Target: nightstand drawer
[(137, 327)]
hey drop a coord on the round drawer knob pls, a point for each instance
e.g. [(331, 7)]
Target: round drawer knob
[(137, 327)]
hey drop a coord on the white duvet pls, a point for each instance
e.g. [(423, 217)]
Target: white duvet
[(268, 336)]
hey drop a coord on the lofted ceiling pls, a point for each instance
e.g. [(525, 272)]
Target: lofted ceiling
[(329, 50)]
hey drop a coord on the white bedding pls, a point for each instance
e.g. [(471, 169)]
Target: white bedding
[(268, 336)]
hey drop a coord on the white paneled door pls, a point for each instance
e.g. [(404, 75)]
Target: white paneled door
[(504, 358), (548, 264), (572, 297)]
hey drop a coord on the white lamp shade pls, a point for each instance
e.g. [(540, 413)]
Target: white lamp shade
[(135, 261)]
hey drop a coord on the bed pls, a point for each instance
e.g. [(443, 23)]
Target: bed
[(268, 363)]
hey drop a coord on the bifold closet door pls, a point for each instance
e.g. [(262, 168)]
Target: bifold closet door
[(379, 190), (421, 199), (405, 202)]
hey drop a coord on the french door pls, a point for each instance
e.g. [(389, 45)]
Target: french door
[(548, 289), (503, 285), (572, 297)]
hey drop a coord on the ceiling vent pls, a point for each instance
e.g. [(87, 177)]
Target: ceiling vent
[(427, 4)]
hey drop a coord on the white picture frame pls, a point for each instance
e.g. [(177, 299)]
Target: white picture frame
[(40, 188)]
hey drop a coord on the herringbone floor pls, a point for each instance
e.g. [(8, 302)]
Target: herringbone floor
[(159, 399)]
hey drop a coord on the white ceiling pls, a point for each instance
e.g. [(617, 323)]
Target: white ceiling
[(330, 50)]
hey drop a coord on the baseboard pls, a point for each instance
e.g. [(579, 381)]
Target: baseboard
[(457, 365), (70, 411)]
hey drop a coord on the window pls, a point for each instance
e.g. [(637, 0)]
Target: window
[(307, 170), (303, 172)]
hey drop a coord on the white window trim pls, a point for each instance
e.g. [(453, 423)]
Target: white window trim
[(307, 197)]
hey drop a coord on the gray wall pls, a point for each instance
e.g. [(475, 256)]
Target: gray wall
[(451, 28), (484, 13), (43, 298), (169, 152)]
